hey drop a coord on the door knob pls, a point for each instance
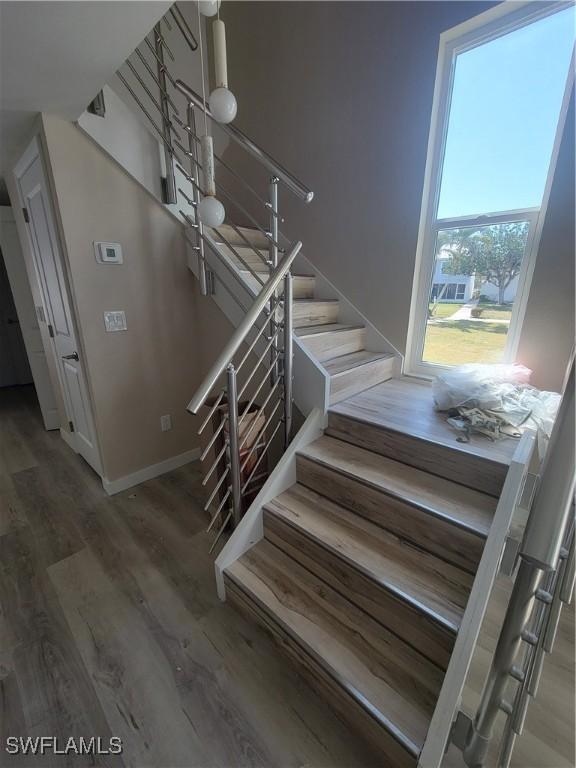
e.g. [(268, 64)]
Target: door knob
[(73, 356)]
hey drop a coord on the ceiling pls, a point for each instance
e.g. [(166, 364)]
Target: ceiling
[(55, 57)]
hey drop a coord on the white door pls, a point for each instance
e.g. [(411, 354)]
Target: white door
[(47, 255), (26, 313)]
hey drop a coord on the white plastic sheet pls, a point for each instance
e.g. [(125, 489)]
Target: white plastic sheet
[(500, 392)]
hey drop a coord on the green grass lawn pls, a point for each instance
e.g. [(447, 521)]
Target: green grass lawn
[(464, 341), (444, 309), (495, 311)]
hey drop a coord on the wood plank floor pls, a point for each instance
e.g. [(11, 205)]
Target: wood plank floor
[(110, 624)]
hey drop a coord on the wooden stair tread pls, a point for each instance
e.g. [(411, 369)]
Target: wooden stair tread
[(393, 683), (339, 365), (425, 581), (314, 330), (463, 506)]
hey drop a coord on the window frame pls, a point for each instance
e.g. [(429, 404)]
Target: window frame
[(488, 26)]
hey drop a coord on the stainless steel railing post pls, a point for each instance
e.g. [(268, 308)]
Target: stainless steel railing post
[(169, 191), (199, 247), (234, 445), (273, 206), (273, 259), (288, 357)]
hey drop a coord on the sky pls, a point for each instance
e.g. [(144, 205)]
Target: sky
[(505, 106)]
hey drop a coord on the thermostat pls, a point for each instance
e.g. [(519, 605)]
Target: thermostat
[(108, 253)]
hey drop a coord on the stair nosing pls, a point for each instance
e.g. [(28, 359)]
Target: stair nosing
[(392, 494), (351, 689), (422, 438), (360, 364), (317, 301), (395, 591)]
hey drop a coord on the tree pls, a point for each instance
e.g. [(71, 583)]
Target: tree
[(493, 252)]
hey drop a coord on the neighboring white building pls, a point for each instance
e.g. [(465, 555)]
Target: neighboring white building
[(491, 291), (460, 288), (456, 288)]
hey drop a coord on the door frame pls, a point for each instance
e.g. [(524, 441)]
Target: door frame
[(503, 18), (33, 152)]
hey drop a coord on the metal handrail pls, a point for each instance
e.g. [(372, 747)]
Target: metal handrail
[(290, 181), (225, 357)]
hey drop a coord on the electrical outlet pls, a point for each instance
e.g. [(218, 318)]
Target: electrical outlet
[(165, 422)]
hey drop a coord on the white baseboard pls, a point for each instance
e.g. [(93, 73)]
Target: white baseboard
[(154, 470), (68, 439)]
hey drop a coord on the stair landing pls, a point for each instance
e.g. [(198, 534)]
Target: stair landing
[(403, 409), (407, 405)]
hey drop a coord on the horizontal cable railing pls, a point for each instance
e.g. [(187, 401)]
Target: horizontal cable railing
[(290, 181), (247, 394), (240, 333)]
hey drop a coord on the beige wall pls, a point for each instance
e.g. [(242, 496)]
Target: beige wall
[(152, 369), (341, 93), (548, 330)]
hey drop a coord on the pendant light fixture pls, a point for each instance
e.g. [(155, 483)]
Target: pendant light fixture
[(222, 101), (209, 7), (210, 210)]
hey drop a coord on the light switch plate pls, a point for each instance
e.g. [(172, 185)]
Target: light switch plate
[(115, 321)]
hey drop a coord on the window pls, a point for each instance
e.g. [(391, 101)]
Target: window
[(499, 111)]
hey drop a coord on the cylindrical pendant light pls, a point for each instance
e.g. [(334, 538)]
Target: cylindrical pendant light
[(210, 210), (222, 101)]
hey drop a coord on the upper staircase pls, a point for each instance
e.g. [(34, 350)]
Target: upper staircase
[(340, 348)]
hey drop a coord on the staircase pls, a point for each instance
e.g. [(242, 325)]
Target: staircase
[(370, 552), (365, 568), (339, 347)]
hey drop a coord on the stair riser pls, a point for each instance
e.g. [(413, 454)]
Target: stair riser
[(359, 378), (302, 287), (254, 237), (344, 704), (326, 345), (311, 313), (435, 535), (412, 625), (250, 258), (453, 463)]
